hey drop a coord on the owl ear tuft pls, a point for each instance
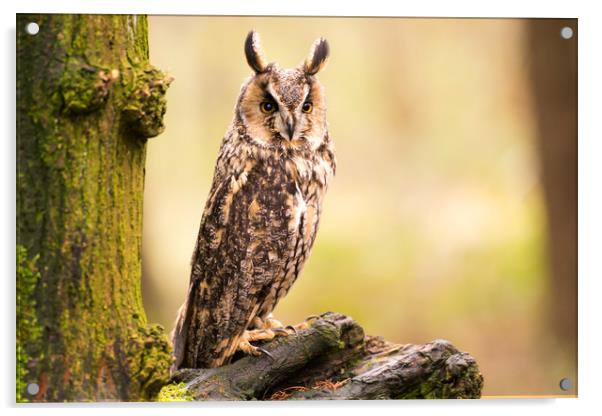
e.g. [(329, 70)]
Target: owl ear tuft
[(317, 58), (254, 54)]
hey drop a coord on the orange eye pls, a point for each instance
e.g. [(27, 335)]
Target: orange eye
[(267, 107), (307, 107)]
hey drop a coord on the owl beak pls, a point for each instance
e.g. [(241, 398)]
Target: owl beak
[(290, 128)]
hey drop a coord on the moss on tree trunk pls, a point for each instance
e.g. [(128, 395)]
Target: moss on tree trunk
[(87, 100)]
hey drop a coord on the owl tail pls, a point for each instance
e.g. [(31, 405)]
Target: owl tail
[(179, 334)]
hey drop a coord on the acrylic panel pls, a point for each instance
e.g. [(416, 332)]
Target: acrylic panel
[(288, 208)]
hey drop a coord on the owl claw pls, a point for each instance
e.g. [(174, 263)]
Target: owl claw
[(247, 348), (266, 329), (280, 331), (303, 325), (276, 326), (266, 352)]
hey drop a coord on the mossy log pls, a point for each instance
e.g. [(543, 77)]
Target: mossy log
[(87, 101), (333, 359)]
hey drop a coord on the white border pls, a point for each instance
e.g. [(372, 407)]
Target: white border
[(590, 190), (457, 8)]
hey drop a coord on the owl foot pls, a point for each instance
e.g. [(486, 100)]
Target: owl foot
[(272, 324), (265, 329), (255, 335), (279, 329)]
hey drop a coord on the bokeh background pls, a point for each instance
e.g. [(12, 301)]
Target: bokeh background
[(438, 223)]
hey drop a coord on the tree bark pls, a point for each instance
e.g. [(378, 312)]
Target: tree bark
[(333, 359), (87, 100)]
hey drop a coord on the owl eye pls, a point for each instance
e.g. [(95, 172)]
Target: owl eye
[(267, 107), (307, 107)]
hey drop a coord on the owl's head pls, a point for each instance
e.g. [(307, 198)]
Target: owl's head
[(284, 107)]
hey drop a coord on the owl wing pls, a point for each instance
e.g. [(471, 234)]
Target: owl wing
[(242, 249)]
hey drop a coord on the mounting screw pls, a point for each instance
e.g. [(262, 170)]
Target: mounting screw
[(566, 32), (32, 389), (565, 384), (32, 28)]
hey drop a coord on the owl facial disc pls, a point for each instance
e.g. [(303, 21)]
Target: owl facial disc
[(284, 107)]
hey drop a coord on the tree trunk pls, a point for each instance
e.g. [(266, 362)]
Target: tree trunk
[(87, 100), (332, 359), (554, 78)]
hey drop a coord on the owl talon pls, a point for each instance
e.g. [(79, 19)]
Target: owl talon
[(280, 331), (246, 347), (305, 324), (266, 352), (272, 324), (249, 336)]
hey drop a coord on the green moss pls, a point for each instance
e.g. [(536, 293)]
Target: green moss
[(443, 384), (174, 393), (146, 105), (151, 356), (28, 329), (83, 87)]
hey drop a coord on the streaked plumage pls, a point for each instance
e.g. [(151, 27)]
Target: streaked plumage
[(262, 213)]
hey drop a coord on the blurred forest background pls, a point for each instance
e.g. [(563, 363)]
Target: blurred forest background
[(436, 225)]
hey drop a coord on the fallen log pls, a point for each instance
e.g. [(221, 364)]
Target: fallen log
[(333, 359)]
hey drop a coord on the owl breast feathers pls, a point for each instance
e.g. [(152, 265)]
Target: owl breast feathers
[(262, 213)]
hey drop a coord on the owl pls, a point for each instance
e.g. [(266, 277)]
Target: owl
[(262, 213)]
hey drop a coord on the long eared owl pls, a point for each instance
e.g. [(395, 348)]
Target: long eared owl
[(261, 216)]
